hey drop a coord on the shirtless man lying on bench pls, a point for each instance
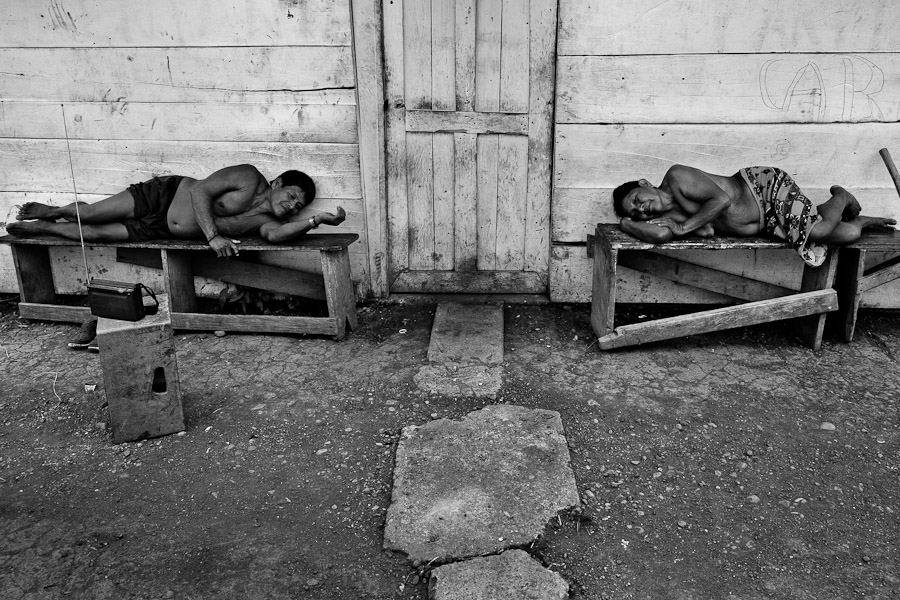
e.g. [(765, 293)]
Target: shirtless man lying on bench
[(753, 201), (233, 201)]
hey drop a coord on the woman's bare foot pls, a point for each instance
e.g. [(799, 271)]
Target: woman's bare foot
[(25, 228), (36, 210), (853, 207)]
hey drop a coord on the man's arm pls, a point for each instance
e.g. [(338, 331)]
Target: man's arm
[(275, 231), (243, 179), (694, 187), (656, 233), (646, 231)]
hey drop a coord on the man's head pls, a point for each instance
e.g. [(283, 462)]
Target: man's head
[(639, 200), (291, 191), (297, 179)]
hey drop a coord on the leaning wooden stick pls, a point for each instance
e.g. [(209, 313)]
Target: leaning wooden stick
[(892, 169)]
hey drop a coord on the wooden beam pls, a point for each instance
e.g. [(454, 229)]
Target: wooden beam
[(426, 121), (54, 312), (255, 323), (704, 278), (879, 275), (167, 23), (255, 275), (697, 27), (473, 282), (753, 313)]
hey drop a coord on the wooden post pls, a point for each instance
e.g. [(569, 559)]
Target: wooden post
[(33, 273), (140, 376), (179, 278), (851, 265), (339, 290), (811, 328), (603, 294)]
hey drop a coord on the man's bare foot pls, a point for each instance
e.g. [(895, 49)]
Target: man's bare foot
[(853, 207), (875, 222), (36, 210), (25, 229)]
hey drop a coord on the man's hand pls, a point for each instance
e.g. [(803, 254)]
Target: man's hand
[(330, 219), (223, 247), (674, 226)]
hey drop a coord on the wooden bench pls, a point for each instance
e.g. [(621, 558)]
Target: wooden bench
[(181, 260), (854, 279), (610, 247)]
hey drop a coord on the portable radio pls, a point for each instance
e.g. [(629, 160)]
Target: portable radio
[(119, 300)]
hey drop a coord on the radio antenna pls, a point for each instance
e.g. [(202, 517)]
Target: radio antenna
[(87, 276)]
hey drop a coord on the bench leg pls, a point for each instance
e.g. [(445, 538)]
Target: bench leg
[(811, 328), (179, 278), (603, 288), (33, 274), (339, 290), (851, 265)]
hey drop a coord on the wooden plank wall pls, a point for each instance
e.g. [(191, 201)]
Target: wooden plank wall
[(642, 85), (163, 87)]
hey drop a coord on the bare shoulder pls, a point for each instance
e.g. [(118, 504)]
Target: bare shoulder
[(237, 176), (684, 173)]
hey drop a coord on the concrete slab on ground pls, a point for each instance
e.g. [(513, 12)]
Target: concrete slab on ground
[(480, 485), (467, 333), (511, 575), (460, 381)]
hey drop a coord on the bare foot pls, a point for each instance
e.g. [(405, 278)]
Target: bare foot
[(36, 210), (875, 223), (24, 229), (853, 207)]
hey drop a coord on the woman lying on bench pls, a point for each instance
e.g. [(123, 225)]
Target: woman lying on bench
[(233, 201), (753, 201)]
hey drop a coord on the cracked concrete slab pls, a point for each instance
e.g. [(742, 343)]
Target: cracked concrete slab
[(467, 333), (511, 575), (453, 379), (480, 485)]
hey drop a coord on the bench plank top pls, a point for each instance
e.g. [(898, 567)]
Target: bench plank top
[(620, 240), (316, 241), (887, 241)]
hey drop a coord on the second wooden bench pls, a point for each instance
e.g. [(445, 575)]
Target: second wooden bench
[(611, 247)]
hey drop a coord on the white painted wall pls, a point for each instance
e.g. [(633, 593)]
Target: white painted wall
[(642, 85), (173, 87)]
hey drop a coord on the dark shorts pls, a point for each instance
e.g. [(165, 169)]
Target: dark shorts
[(151, 205)]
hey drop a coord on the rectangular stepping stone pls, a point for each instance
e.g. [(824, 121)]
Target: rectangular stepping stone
[(467, 333), (513, 574), (481, 485)]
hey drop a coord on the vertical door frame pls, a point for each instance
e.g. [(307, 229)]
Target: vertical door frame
[(367, 29)]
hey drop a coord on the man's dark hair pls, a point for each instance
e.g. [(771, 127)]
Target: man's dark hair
[(619, 196), (300, 180)]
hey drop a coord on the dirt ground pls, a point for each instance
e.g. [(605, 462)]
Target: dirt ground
[(730, 465)]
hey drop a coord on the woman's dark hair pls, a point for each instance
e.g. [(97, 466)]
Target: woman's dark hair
[(300, 180), (619, 196)]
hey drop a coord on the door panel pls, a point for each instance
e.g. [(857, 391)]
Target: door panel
[(469, 86)]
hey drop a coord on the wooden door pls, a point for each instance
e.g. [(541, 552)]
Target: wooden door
[(469, 87)]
